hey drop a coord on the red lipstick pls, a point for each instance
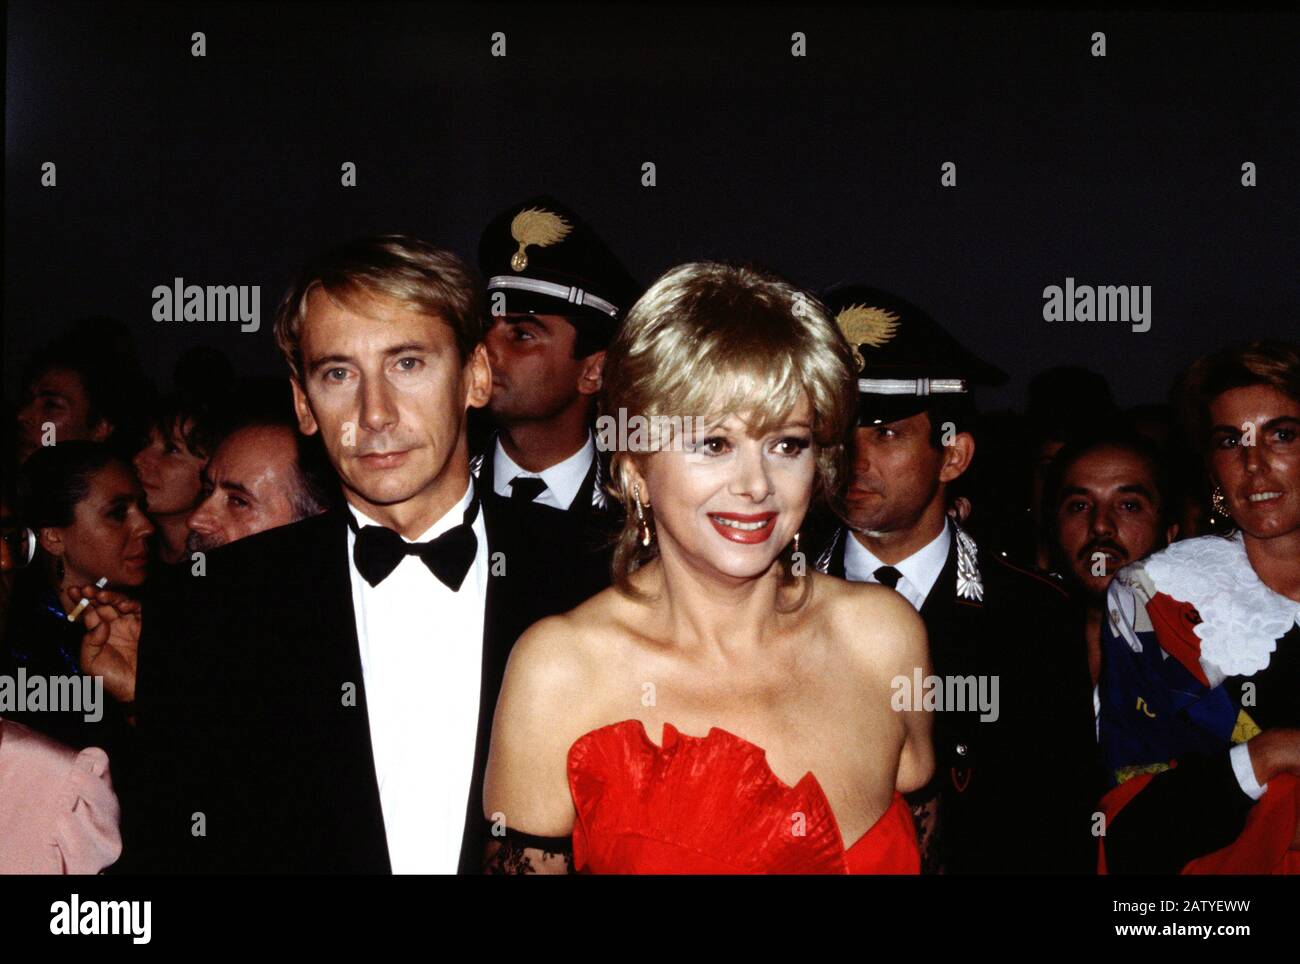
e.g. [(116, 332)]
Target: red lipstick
[(743, 528)]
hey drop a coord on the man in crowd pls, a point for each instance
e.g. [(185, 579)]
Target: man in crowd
[(556, 293), (1109, 505), (262, 475), (1000, 800), (320, 700)]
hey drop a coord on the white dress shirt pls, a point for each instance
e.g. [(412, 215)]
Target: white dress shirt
[(920, 570), (563, 479), (421, 659)]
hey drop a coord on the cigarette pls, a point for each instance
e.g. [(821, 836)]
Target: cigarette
[(81, 606)]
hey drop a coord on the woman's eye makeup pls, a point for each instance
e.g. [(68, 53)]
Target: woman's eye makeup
[(794, 444), (787, 445)]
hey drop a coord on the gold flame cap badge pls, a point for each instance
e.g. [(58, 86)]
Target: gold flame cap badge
[(863, 325), (537, 227)]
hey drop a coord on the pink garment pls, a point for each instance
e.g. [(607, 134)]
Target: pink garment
[(58, 811)]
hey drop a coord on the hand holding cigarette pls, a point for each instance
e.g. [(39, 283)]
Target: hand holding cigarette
[(111, 643), (73, 616)]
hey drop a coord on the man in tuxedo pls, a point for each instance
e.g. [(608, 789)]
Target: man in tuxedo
[(319, 697), (556, 293), (1007, 794)]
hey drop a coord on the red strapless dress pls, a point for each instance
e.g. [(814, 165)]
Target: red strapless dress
[(711, 805)]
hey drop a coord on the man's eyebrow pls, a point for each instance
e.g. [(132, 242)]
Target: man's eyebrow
[(235, 487), (1139, 489), (532, 321), (1074, 490), (326, 360), (407, 346), (1274, 422)]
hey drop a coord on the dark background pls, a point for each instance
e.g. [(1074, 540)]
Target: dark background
[(226, 169)]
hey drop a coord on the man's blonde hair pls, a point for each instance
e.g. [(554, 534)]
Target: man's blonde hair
[(710, 339), (429, 279)]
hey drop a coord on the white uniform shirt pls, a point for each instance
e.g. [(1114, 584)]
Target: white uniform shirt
[(920, 570), (563, 479)]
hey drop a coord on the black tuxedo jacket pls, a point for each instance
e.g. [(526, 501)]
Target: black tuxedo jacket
[(552, 559), (252, 716), (1016, 794)]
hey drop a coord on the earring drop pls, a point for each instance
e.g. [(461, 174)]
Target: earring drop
[(640, 516), (1219, 503)]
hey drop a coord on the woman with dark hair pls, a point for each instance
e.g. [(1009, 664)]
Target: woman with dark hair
[(86, 509), (784, 746), (1201, 664), (170, 467)]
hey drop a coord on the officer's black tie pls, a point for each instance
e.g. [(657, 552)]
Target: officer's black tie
[(525, 489), (888, 576)]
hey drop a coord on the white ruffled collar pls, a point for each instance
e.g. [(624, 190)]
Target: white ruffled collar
[(1241, 618)]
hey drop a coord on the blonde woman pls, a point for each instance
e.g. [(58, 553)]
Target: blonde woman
[(722, 708)]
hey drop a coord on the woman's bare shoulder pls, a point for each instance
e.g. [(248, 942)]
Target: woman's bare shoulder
[(563, 654), (872, 622)]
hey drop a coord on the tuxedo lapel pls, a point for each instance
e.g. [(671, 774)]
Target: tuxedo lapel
[(357, 791), (496, 649)]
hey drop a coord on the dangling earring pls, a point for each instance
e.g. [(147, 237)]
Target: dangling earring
[(1219, 503), (796, 544), (640, 516)]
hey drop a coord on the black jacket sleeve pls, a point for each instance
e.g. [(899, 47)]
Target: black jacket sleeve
[(1187, 812)]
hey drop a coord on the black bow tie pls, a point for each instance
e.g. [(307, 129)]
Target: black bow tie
[(378, 551)]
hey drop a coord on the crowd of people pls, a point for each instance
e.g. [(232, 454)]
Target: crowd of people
[(407, 611)]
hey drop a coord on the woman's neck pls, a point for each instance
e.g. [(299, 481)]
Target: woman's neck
[(721, 616), (1277, 562), (69, 580)]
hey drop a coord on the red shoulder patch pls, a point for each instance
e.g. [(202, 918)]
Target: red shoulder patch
[(1175, 624)]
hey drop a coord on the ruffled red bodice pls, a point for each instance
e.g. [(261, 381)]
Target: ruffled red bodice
[(711, 805)]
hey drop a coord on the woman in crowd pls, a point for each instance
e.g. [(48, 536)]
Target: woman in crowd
[(170, 468), (86, 508), (781, 748), (1201, 653)]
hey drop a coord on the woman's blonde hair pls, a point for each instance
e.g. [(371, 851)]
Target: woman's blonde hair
[(710, 339)]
